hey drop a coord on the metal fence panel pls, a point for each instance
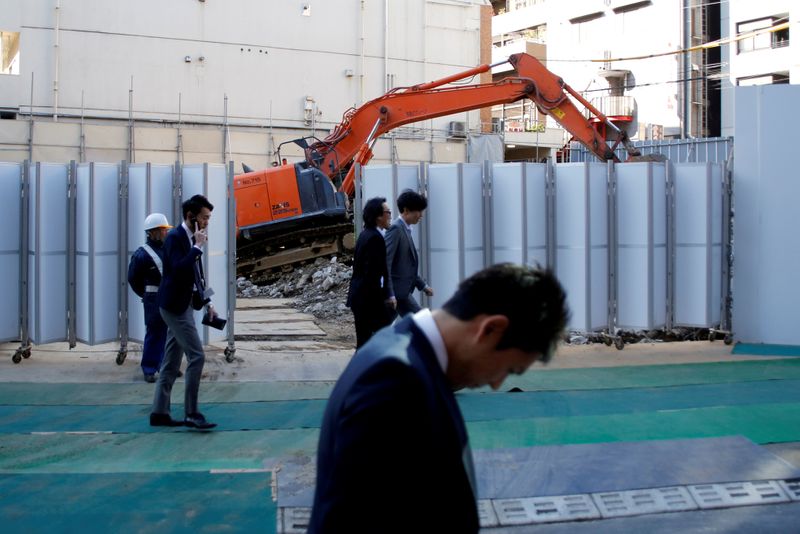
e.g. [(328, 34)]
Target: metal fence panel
[(10, 250), (97, 253), (47, 252), (445, 219), (698, 243), (582, 242), (519, 209), (149, 191), (701, 150), (641, 245)]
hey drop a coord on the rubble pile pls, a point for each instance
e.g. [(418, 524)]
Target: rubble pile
[(319, 288)]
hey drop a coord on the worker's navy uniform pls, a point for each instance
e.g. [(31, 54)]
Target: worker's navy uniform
[(144, 277)]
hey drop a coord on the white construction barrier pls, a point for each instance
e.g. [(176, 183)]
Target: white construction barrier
[(698, 244), (581, 229), (641, 245), (10, 251)]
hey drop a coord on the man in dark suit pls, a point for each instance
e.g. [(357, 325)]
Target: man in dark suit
[(393, 450), (401, 254), (180, 293), (368, 296)]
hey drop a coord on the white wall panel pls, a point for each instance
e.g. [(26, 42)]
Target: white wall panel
[(698, 244), (456, 224), (149, 191), (444, 215), (10, 249), (641, 245), (47, 253), (582, 242), (97, 253), (472, 201), (519, 213), (766, 240)]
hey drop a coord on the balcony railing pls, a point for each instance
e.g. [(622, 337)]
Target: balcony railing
[(614, 106)]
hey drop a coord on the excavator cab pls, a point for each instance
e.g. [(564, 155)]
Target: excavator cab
[(280, 199)]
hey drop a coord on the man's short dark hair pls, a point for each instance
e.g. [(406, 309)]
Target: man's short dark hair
[(411, 201), (195, 204), (531, 298), (373, 209)]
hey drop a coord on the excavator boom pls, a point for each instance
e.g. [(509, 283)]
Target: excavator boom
[(351, 140), (291, 213)]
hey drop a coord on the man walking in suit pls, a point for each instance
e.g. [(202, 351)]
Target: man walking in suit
[(401, 254), (368, 296), (393, 434), (181, 292)]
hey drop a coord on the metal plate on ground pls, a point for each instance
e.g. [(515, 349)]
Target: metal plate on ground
[(486, 515), (792, 488), (737, 494), (545, 509), (293, 520), (645, 501)]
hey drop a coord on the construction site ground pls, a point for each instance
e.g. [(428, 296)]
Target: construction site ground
[(77, 452)]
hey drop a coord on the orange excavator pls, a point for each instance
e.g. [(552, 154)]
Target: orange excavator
[(291, 212)]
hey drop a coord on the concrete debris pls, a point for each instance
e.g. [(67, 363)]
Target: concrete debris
[(319, 288)]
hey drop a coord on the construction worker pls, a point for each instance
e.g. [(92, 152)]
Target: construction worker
[(144, 277)]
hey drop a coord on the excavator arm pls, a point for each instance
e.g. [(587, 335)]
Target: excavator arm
[(352, 140)]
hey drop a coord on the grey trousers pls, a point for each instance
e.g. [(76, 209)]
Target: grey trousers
[(182, 338), (407, 305)]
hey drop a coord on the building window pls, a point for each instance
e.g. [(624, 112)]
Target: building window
[(775, 78), (9, 52), (764, 40)]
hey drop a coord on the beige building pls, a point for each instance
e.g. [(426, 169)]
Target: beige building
[(212, 80)]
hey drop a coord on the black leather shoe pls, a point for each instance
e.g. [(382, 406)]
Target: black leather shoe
[(150, 378), (163, 419), (180, 373), (197, 420)]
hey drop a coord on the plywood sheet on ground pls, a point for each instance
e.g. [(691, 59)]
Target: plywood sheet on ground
[(270, 315), (301, 328), (262, 302)]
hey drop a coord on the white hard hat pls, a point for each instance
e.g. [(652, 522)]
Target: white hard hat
[(156, 220)]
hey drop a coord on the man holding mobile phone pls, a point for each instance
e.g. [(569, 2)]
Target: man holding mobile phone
[(182, 291)]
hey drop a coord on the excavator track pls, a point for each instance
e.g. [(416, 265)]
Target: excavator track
[(262, 259)]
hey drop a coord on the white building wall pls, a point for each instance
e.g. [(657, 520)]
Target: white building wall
[(757, 62), (650, 30), (265, 56)]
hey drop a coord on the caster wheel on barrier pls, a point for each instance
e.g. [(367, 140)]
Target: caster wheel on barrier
[(16, 358), (712, 336), (728, 339), (608, 341), (121, 355), (619, 343), (229, 354), (26, 353)]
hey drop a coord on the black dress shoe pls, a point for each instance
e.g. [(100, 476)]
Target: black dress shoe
[(163, 419), (197, 420), (150, 378)]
